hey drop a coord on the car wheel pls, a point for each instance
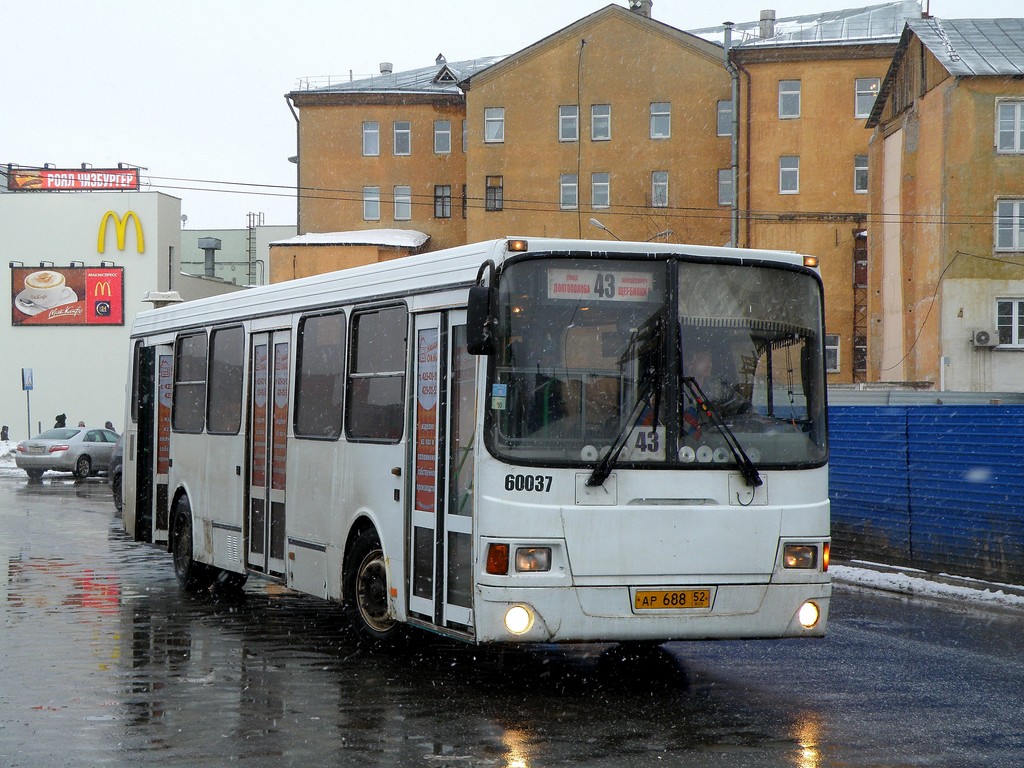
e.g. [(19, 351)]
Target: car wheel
[(83, 467), (115, 489), (191, 575), (366, 592)]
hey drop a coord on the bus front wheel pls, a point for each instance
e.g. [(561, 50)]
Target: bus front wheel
[(192, 576), (366, 592)]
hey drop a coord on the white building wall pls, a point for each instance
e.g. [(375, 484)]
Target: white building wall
[(968, 306), (82, 370)]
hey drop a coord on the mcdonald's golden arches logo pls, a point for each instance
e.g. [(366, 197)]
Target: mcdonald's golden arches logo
[(120, 225), (102, 289)]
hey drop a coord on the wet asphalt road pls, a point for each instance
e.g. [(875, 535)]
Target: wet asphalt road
[(103, 662)]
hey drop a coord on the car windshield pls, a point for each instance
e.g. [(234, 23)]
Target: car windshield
[(592, 362), (63, 433)]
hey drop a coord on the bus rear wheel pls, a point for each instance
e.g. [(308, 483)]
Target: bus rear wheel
[(192, 576), (366, 592)]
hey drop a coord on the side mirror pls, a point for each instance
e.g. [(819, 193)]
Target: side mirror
[(481, 322)]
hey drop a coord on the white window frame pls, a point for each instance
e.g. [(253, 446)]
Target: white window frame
[(789, 99), (600, 122), (371, 203), (832, 349), (661, 119), (860, 174), (569, 122), (1013, 109), (724, 118), (1009, 323), (600, 190), (568, 191), (465, 136), (865, 91), (725, 186), (789, 175), (659, 189), (442, 137), (494, 125), (403, 203), (1009, 230), (402, 138), (371, 138)]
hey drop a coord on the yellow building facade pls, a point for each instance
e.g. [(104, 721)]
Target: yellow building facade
[(947, 192)]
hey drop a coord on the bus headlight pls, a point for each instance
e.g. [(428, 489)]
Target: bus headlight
[(533, 559), (518, 619), (803, 556), (808, 615)]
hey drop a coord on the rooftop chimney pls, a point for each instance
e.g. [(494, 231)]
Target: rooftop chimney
[(386, 67), (642, 7), (440, 59), (767, 24)]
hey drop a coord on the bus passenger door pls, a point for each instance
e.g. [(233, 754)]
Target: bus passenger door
[(441, 532), (269, 386)]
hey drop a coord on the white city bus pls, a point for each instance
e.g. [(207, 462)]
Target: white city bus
[(522, 440)]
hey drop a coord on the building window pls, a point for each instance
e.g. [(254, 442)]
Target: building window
[(442, 137), (371, 203), (494, 125), (442, 201), (568, 190), (465, 199), (1010, 321), (789, 175), (1010, 126), (600, 190), (569, 123), (371, 139), (789, 99), (864, 99), (403, 203), (661, 120), (725, 118), (465, 137), (494, 199), (860, 174), (403, 138), (1010, 225), (725, 186), (659, 189), (832, 353), (601, 122)]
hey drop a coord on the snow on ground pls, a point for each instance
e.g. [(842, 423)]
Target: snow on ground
[(904, 581)]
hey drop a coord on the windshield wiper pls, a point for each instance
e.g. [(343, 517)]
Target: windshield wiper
[(650, 385), (750, 474)]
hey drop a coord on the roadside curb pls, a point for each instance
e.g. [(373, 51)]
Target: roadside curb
[(941, 586)]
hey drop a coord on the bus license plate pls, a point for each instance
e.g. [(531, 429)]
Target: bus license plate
[(671, 599)]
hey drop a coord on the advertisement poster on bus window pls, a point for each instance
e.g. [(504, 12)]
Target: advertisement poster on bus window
[(261, 380), (426, 419), (163, 423), (67, 296), (280, 434)]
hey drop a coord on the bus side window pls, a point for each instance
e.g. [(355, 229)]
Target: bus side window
[(375, 407)]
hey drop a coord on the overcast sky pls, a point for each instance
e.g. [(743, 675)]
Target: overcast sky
[(193, 90)]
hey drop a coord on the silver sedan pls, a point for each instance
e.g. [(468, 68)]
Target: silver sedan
[(81, 450)]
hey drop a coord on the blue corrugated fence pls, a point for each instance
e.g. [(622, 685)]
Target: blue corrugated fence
[(936, 487)]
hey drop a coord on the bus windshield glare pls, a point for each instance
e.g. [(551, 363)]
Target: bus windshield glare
[(658, 363)]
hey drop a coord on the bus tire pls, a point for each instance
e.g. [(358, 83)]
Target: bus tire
[(192, 576), (365, 600)]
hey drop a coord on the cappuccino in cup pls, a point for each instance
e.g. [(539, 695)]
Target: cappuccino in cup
[(44, 288)]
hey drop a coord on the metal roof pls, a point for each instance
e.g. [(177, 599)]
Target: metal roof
[(442, 77), (974, 47), (873, 23)]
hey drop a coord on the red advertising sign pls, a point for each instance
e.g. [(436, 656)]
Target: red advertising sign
[(280, 428), (260, 386), (428, 359), (67, 296), (163, 422), (71, 179)]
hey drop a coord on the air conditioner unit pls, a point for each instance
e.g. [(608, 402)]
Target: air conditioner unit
[(983, 337)]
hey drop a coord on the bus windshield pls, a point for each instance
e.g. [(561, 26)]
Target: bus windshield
[(593, 359)]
